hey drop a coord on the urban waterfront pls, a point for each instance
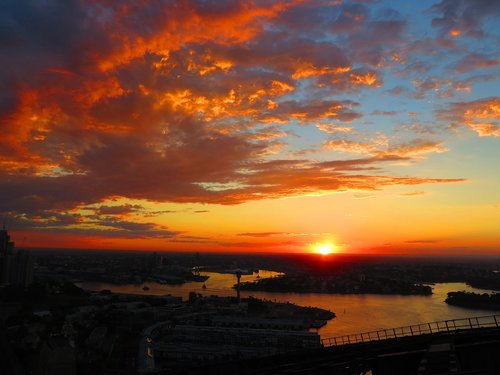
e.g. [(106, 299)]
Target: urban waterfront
[(354, 312), (132, 312)]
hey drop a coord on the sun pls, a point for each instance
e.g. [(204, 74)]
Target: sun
[(325, 248)]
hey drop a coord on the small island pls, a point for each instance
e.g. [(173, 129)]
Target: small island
[(474, 300), (312, 317)]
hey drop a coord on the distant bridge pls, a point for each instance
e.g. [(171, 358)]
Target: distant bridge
[(442, 326)]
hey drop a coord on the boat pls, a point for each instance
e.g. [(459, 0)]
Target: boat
[(145, 287)]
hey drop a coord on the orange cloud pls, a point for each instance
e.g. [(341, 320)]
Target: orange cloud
[(232, 24), (332, 128), (308, 71), (345, 145), (368, 79), (482, 116), (379, 146), (416, 147)]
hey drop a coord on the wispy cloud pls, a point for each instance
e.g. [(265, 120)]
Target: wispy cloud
[(262, 234), (414, 193)]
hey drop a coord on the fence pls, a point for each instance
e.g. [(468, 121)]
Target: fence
[(449, 326)]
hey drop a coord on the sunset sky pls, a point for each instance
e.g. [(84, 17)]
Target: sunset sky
[(251, 125)]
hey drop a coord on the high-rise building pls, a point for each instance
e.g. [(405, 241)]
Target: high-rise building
[(6, 249), (16, 268), (22, 268), (6, 245)]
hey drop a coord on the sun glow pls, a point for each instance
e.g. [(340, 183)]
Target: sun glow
[(325, 248)]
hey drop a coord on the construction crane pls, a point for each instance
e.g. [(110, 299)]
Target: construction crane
[(238, 272)]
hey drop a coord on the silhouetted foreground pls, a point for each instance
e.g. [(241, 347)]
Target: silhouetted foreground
[(462, 353), (54, 328)]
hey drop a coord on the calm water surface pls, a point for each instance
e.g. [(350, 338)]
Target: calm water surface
[(355, 313)]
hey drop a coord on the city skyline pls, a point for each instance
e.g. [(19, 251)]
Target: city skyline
[(284, 126)]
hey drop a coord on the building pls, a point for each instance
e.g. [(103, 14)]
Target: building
[(16, 267), (6, 250), (6, 245), (57, 357)]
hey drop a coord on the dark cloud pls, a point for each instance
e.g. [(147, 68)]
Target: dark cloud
[(369, 36), (138, 232), (77, 224), (156, 213), (457, 17), (442, 87), (401, 91), (474, 61), (124, 209), (384, 113)]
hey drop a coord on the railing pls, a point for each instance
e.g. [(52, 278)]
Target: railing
[(449, 326)]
